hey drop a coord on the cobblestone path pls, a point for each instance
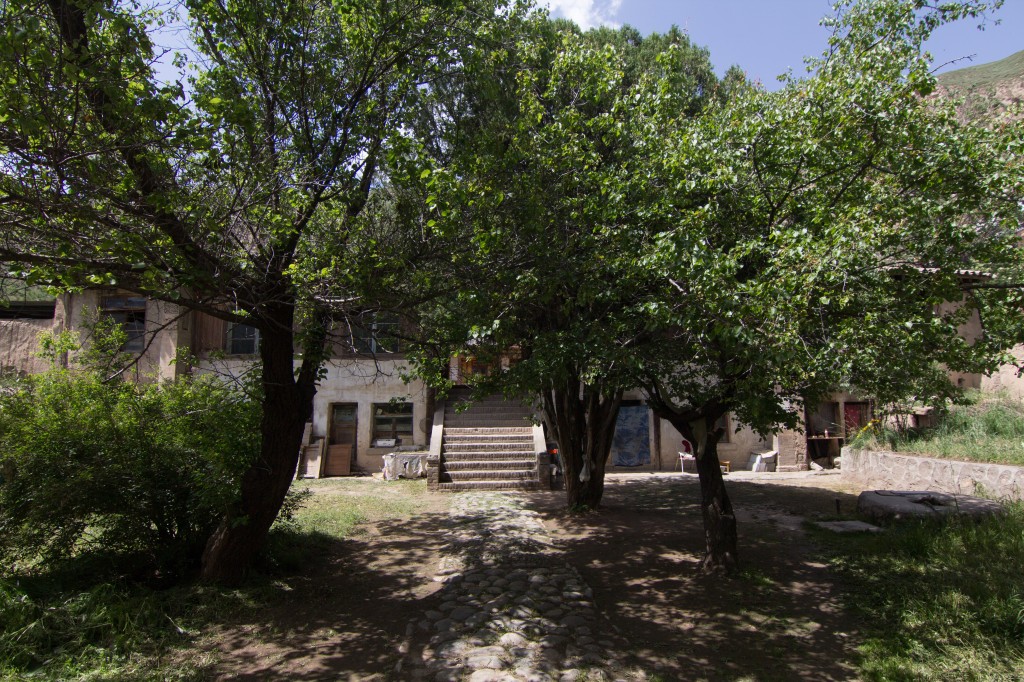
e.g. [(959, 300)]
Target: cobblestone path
[(511, 609)]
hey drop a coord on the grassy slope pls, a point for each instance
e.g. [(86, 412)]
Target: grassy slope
[(990, 428), (985, 75)]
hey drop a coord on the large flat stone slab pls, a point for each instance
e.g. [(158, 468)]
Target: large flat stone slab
[(844, 527), (895, 505)]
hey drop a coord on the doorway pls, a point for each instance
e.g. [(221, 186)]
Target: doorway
[(341, 439), (631, 444)]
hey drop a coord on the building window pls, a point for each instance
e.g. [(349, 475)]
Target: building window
[(378, 334), (129, 312), (723, 423), (243, 339), (392, 424)]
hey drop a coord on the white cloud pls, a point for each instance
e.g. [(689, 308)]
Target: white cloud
[(587, 13)]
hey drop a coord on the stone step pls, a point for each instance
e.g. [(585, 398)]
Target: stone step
[(489, 414), (484, 439), (487, 431), (487, 455), (466, 486), (476, 443), (488, 409), (490, 464), (489, 400), (492, 446), (502, 419), (486, 423), (490, 475)]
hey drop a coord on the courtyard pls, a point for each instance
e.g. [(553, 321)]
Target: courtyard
[(377, 604)]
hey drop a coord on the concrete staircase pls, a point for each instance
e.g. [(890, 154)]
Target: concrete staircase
[(491, 445)]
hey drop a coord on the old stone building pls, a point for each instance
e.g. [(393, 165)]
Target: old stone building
[(364, 409)]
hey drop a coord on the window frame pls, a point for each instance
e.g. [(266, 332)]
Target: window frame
[(129, 313), (231, 339), (372, 338), (384, 412)]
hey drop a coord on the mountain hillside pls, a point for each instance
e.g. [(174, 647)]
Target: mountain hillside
[(990, 91), (985, 75)]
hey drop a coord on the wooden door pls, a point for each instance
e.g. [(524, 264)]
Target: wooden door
[(341, 443), (855, 417)]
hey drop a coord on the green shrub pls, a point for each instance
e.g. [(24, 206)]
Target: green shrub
[(144, 469)]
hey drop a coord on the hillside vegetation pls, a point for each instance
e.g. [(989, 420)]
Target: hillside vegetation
[(985, 75), (990, 91), (988, 428)]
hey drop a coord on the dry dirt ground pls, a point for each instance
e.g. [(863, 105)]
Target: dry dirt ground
[(345, 616)]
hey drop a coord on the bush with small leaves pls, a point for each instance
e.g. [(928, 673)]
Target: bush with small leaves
[(143, 469)]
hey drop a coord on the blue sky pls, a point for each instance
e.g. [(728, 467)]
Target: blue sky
[(767, 37)]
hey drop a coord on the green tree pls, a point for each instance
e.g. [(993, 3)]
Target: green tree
[(237, 196), (727, 249), (818, 231), (539, 181)]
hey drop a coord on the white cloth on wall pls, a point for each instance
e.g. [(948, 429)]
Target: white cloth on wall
[(404, 466)]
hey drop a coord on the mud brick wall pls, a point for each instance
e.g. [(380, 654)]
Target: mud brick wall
[(19, 345), (792, 449)]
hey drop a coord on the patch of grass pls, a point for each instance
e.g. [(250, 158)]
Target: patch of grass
[(334, 509), (938, 601), (337, 508), (108, 632), (82, 619), (755, 578), (989, 428)]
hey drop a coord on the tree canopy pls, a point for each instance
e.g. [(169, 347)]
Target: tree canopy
[(237, 194), (727, 249), (548, 193)]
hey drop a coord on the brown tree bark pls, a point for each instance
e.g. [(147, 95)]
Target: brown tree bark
[(720, 538), (582, 419), (287, 406), (716, 508)]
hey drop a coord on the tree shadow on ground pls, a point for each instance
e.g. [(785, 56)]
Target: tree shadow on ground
[(344, 616), (780, 619)]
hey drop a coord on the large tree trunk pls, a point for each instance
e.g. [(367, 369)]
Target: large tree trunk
[(287, 406), (716, 508), (582, 419), (720, 540)]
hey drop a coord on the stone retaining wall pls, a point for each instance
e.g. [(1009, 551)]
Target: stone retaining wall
[(889, 470)]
